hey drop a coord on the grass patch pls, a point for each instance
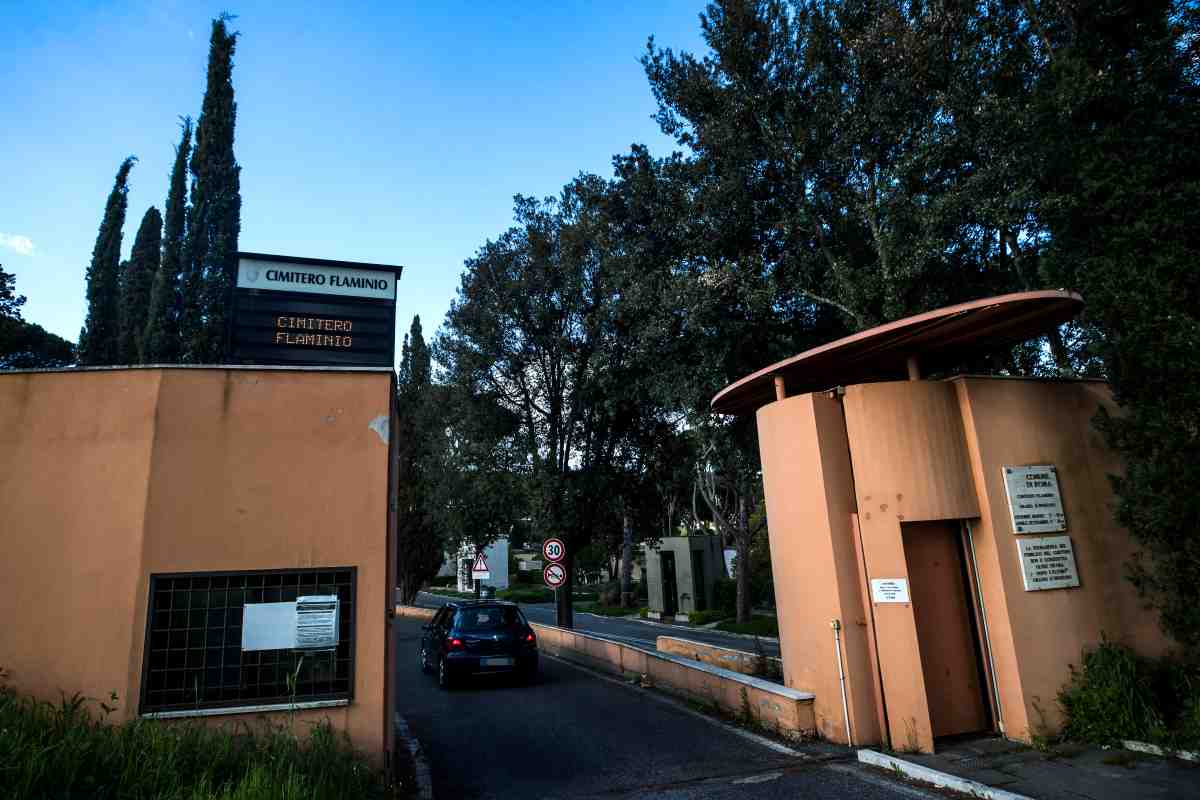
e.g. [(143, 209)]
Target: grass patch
[(608, 611), (64, 750), (758, 625)]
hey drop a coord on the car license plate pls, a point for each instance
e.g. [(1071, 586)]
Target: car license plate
[(506, 661)]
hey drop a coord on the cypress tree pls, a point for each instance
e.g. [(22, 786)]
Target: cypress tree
[(160, 343), (137, 278), (215, 218), (98, 339)]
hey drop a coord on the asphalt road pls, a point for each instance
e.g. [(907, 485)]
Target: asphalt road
[(576, 734), (639, 633)]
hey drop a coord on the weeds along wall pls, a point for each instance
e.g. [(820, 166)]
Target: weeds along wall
[(108, 477)]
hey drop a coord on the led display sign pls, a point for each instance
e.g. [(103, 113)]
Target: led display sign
[(298, 311)]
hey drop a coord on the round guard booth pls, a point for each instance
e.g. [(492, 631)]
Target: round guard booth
[(946, 546)]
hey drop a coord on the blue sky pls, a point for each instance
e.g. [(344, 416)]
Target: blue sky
[(391, 132)]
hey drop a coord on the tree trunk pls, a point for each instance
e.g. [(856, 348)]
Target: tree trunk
[(626, 559), (1062, 358), (742, 542)]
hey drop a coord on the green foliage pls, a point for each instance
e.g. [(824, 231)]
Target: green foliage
[(64, 750), (24, 345), (606, 610), (1117, 114), (10, 301), (725, 592), (705, 617), (542, 595), (759, 625), (161, 338), (419, 443), (137, 279), (98, 341), (214, 219), (1117, 695)]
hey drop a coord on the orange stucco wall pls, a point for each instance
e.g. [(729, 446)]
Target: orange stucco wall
[(809, 493), (1044, 422), (109, 476), (890, 453)]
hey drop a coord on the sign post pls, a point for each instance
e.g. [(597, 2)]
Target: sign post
[(556, 576), (479, 571)]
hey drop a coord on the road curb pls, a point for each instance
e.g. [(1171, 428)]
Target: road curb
[(942, 780), (424, 787)]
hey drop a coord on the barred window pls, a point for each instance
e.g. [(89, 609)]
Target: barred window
[(193, 653)]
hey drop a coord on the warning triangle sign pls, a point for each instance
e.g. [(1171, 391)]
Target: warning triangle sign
[(480, 565)]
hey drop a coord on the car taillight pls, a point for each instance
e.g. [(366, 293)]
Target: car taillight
[(454, 644), (529, 636)]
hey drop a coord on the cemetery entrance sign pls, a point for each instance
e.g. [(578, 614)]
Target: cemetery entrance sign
[(309, 311)]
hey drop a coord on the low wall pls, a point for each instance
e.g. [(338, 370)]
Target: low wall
[(739, 661), (788, 711), (415, 612)]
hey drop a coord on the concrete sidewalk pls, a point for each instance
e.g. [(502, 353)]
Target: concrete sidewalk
[(1064, 772)]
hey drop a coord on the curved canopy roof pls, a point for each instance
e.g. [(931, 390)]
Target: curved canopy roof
[(938, 339)]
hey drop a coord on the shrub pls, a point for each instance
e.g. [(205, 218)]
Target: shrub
[(705, 617), (1117, 694), (725, 594), (444, 580), (531, 595)]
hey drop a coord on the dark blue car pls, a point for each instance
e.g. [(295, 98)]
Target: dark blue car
[(478, 637)]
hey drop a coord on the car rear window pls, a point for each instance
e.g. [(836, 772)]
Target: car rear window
[(489, 617)]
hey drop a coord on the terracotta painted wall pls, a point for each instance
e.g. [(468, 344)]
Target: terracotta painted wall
[(75, 459), (910, 464), (109, 476), (809, 495), (1035, 635)]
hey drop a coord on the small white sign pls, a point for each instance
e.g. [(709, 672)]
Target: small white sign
[(479, 570), (269, 626), (317, 622), (1034, 502), (282, 276), (1048, 562), (889, 590)]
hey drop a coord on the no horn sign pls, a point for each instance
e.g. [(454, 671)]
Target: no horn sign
[(554, 575)]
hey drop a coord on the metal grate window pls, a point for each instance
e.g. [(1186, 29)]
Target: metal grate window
[(193, 654)]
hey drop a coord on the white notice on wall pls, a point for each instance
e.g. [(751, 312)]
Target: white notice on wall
[(317, 622), (268, 626), (1048, 562), (889, 590), (1034, 502)]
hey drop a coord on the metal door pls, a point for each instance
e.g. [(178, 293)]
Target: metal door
[(670, 592)]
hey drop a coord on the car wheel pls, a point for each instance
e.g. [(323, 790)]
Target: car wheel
[(443, 674), (425, 660)]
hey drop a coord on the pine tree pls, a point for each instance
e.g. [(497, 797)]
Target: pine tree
[(161, 339), (214, 220), (98, 339), (137, 278)]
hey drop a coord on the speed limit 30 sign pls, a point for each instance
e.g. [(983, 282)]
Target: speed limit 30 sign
[(554, 549), (555, 575)]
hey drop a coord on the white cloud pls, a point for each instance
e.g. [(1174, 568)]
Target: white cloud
[(22, 244)]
